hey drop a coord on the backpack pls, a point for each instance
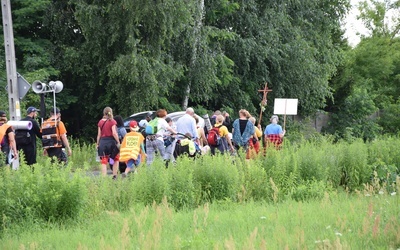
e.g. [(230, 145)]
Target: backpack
[(22, 137), (50, 135), (151, 128), (213, 138)]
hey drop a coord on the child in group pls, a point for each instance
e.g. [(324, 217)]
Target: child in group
[(132, 148), (188, 141)]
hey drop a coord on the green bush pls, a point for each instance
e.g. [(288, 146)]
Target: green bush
[(217, 178), (312, 164), (151, 184), (255, 184), (49, 193), (389, 119), (182, 192), (83, 156), (354, 163), (309, 190)]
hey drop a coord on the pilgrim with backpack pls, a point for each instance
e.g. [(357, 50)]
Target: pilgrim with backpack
[(218, 137)]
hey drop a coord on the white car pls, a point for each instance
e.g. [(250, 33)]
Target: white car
[(137, 117)]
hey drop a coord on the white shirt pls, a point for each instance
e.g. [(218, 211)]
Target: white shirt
[(162, 127), (187, 124)]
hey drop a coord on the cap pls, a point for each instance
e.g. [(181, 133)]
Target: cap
[(52, 111), (31, 109), (149, 114), (133, 124), (2, 113)]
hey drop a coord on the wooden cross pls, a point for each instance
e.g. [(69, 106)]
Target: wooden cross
[(264, 99)]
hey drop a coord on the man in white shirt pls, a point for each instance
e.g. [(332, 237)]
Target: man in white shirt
[(187, 125)]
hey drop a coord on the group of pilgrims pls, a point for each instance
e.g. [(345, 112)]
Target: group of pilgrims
[(117, 147)]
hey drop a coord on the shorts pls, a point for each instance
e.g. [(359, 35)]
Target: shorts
[(131, 162), (107, 149), (59, 153)]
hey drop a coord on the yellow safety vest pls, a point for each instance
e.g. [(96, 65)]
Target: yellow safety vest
[(130, 147)]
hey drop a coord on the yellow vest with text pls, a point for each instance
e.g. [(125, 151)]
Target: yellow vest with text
[(130, 147)]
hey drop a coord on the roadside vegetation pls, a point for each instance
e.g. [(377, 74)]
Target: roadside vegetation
[(314, 194)]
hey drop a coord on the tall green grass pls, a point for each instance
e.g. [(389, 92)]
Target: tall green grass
[(53, 194)]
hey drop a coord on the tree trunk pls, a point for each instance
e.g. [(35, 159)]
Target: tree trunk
[(196, 34)]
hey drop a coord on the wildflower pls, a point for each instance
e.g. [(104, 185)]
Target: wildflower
[(263, 217), (392, 194), (338, 234)]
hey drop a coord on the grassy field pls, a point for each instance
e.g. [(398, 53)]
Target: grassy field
[(338, 221)]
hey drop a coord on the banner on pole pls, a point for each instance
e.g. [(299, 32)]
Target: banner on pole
[(285, 106)]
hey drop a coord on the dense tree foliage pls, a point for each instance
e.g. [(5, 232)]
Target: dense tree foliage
[(138, 55), (368, 87)]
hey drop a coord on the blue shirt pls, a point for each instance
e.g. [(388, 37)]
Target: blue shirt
[(187, 124), (273, 129)]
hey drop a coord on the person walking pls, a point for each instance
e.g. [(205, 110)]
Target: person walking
[(155, 142), (54, 129), (26, 139), (132, 148), (227, 119), (144, 122), (121, 131), (254, 142), (242, 130), (225, 143), (108, 142), (7, 140), (169, 141), (187, 124), (273, 133), (204, 147)]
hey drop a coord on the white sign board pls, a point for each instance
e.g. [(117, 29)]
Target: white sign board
[(285, 106)]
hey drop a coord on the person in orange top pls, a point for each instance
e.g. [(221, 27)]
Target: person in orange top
[(132, 148), (62, 133), (7, 138), (226, 143)]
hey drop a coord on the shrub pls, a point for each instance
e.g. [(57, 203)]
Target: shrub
[(48, 193), (309, 190), (151, 183), (354, 164), (255, 184), (182, 191), (312, 164), (216, 178)]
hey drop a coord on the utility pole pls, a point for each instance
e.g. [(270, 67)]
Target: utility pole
[(12, 83)]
